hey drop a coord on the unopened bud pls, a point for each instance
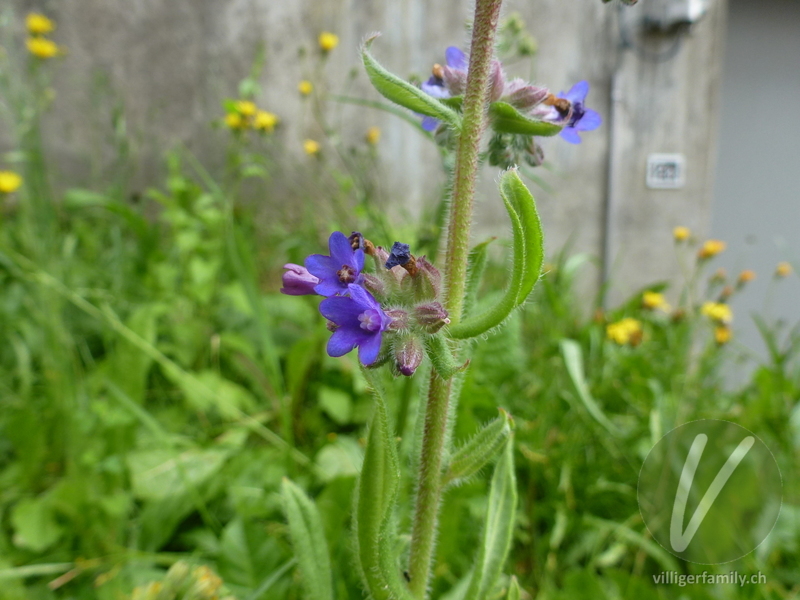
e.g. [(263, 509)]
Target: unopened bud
[(374, 285), (408, 355), (497, 81), (427, 280), (431, 316), (399, 319)]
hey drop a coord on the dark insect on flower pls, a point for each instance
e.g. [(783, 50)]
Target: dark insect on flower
[(340, 269), (360, 323), (581, 118)]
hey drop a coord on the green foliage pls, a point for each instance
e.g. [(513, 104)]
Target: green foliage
[(156, 390), (405, 94), (507, 119), (526, 267), (308, 539)]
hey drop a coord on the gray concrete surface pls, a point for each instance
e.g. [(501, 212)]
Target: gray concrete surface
[(170, 62)]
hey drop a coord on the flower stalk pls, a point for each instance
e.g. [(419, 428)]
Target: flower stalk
[(430, 481)]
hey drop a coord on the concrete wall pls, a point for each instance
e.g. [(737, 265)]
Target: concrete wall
[(757, 198), (170, 62)]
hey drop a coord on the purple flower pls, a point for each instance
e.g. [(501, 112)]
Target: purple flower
[(582, 118), (359, 322), (337, 271), (446, 81), (297, 281)]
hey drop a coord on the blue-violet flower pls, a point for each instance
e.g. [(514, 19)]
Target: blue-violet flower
[(337, 271), (359, 322), (581, 118)]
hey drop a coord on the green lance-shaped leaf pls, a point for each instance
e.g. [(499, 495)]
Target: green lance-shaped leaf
[(499, 528), (308, 540), (528, 254), (525, 205), (403, 93), (480, 450), (375, 498), (507, 119), (573, 359), (444, 363)]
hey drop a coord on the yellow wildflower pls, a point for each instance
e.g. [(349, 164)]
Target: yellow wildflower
[(681, 234), (711, 248), (38, 24), (9, 182), (305, 87), (43, 48), (722, 334), (746, 276), (328, 41), (783, 269), (234, 121), (311, 147), (265, 121), (373, 135), (655, 300), (246, 108), (625, 331), (717, 311)]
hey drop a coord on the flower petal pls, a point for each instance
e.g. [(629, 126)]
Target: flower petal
[(340, 249), (341, 310), (369, 349), (455, 58), (341, 342), (590, 120), (358, 260), (320, 266), (570, 135), (577, 93), (362, 298), (330, 287)]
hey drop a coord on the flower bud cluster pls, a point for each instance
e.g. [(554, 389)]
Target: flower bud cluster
[(383, 302), (506, 149)]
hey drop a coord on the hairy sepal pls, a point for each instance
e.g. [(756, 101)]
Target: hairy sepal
[(375, 500), (499, 528), (505, 118), (308, 540), (527, 258), (480, 450), (401, 92)]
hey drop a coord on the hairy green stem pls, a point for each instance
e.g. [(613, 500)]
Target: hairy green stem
[(487, 13), (429, 485), (429, 482)]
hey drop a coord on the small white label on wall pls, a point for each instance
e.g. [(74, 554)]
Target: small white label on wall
[(666, 171)]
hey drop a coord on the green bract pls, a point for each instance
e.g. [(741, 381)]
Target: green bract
[(403, 93), (528, 255), (507, 119)]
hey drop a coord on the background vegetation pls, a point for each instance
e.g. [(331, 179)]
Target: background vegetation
[(155, 388)]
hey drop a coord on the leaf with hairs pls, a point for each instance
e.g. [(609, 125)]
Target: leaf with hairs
[(480, 450), (308, 540), (507, 119), (499, 528), (403, 93)]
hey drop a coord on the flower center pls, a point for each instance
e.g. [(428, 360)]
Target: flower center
[(370, 320), (346, 274), (577, 113)]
